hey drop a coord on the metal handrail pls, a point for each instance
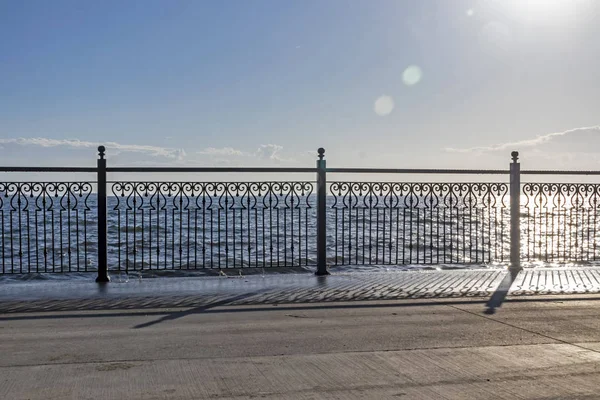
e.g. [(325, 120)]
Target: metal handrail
[(418, 171), (558, 172), (210, 169), (48, 169), (298, 170)]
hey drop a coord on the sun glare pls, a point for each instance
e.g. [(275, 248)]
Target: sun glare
[(547, 7), (549, 11)]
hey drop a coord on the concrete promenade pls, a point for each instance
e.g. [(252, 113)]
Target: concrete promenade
[(403, 335)]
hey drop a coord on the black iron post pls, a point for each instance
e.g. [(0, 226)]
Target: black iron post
[(321, 214), (102, 230), (515, 205)]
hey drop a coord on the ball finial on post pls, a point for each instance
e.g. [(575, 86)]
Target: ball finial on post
[(321, 152), (101, 151), (515, 156)]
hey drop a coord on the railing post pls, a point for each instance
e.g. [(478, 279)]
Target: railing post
[(102, 230), (321, 214), (515, 211)]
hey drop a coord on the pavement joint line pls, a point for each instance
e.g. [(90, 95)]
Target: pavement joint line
[(525, 329), (400, 350)]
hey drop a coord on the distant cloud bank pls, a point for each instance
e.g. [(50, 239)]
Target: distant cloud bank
[(578, 139), (223, 155), (78, 144), (577, 148)]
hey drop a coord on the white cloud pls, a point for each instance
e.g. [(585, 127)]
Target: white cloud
[(209, 156), (269, 152), (578, 139), (114, 147), (223, 151), (181, 154), (571, 149)]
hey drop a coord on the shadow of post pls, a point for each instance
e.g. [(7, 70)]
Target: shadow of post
[(499, 296)]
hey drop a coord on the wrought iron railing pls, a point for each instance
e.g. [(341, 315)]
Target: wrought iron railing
[(47, 227), (192, 225), (561, 222), (420, 223), (147, 225)]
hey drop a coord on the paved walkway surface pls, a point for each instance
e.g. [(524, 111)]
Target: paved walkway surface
[(292, 337), (293, 288)]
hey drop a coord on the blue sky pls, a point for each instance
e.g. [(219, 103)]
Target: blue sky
[(378, 83)]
